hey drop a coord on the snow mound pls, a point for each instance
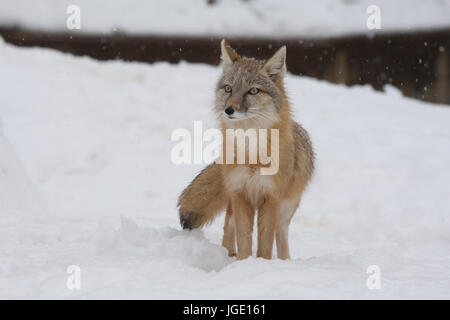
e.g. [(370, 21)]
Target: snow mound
[(17, 193), (181, 246)]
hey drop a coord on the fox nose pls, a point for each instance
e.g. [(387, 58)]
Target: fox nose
[(229, 111)]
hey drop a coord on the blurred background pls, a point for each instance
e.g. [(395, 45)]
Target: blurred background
[(335, 40)]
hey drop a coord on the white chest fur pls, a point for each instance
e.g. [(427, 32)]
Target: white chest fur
[(250, 182)]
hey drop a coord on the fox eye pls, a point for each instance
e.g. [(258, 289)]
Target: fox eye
[(227, 88), (253, 91)]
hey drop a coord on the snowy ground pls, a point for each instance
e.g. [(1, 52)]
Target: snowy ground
[(86, 179), (263, 18)]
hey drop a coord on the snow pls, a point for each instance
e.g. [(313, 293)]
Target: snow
[(86, 179), (262, 18)]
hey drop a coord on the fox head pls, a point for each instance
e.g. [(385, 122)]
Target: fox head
[(250, 92)]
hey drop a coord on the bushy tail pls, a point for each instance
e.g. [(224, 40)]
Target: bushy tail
[(203, 199)]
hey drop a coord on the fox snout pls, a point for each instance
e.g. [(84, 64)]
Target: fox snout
[(229, 111), (233, 104)]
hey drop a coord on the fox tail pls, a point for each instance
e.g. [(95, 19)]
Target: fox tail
[(203, 199)]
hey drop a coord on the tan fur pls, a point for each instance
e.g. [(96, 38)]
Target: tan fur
[(240, 187), (203, 199)]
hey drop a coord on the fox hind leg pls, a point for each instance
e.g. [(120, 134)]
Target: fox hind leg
[(229, 232), (287, 210)]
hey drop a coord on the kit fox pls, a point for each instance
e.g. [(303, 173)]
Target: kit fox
[(250, 94)]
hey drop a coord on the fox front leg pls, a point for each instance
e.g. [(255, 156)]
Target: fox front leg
[(243, 214), (229, 232)]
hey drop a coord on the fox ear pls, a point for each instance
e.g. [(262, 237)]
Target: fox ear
[(228, 55), (275, 67)]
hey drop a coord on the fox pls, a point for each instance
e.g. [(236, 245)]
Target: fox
[(250, 93)]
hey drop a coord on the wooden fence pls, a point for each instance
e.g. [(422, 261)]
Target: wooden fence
[(417, 63)]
